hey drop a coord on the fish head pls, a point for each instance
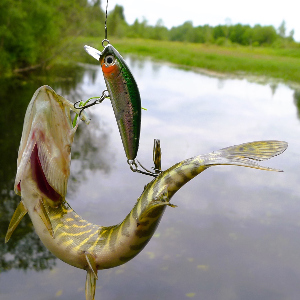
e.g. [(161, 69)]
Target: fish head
[(46, 145)]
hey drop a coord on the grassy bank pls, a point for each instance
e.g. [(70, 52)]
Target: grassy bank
[(276, 63)]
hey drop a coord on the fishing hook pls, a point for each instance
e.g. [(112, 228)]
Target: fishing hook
[(97, 101), (156, 159), (134, 168)]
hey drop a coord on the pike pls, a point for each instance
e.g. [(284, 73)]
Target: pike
[(76, 241)]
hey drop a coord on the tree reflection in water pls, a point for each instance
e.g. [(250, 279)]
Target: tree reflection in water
[(297, 101)]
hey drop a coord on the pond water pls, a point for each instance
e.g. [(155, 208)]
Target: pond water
[(236, 231)]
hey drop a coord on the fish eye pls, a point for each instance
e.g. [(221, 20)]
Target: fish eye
[(109, 60)]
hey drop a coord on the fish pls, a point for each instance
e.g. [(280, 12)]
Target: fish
[(45, 145), (124, 96), (92, 247)]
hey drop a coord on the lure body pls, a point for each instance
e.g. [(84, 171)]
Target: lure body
[(92, 247), (124, 95)]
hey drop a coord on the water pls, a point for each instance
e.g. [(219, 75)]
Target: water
[(235, 233)]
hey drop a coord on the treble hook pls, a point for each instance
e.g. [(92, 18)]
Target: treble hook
[(156, 159), (134, 168), (97, 101)]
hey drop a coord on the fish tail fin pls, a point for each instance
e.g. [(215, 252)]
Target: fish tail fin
[(248, 154)]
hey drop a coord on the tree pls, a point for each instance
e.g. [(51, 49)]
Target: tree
[(34, 31), (160, 32), (219, 31), (291, 35), (184, 32), (116, 23), (282, 29)]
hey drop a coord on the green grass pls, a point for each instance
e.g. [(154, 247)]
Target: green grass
[(281, 64)]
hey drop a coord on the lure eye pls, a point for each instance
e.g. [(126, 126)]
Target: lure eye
[(109, 60)]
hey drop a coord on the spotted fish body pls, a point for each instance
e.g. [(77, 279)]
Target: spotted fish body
[(92, 247), (115, 245), (124, 95)]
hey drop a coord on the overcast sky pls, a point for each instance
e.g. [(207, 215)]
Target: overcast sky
[(213, 12)]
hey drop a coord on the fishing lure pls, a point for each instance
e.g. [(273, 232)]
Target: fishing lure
[(124, 95), (92, 247)]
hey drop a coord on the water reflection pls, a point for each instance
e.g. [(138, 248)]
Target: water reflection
[(297, 101), (235, 234), (90, 152)]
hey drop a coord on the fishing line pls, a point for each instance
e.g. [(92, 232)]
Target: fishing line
[(105, 26), (81, 106)]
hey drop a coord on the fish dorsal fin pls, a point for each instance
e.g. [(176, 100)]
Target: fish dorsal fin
[(19, 213)]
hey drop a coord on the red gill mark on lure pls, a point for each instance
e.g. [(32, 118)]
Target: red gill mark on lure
[(19, 186), (109, 70), (40, 178)]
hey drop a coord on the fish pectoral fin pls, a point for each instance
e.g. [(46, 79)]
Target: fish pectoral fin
[(19, 213), (92, 264), (161, 200), (90, 285), (41, 210), (172, 205)]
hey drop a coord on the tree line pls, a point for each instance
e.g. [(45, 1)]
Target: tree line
[(222, 34), (34, 31)]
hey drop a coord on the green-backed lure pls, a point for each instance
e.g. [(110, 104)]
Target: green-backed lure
[(124, 95)]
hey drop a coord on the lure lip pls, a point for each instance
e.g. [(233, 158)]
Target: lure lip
[(93, 52)]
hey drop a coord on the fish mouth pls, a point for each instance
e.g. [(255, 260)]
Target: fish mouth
[(44, 151), (39, 177)]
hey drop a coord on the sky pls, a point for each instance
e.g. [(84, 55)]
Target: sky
[(213, 12)]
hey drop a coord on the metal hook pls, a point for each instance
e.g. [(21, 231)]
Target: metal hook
[(157, 156), (97, 101), (156, 159), (134, 168)]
